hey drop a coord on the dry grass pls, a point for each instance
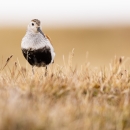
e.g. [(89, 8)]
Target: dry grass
[(67, 99)]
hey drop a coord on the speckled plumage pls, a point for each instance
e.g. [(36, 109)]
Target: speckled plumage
[(36, 47), (37, 21)]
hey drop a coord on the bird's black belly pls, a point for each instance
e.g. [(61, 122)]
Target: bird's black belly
[(39, 57)]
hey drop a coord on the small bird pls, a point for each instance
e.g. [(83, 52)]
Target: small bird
[(36, 46)]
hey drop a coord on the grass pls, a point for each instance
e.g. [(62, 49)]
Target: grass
[(68, 98)]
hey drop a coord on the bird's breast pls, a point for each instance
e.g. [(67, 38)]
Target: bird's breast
[(34, 42)]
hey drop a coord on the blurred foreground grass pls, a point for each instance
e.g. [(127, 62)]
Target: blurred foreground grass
[(67, 99)]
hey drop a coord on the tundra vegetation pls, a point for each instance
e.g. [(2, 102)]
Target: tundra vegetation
[(68, 98)]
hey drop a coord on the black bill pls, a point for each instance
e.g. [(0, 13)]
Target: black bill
[(39, 30)]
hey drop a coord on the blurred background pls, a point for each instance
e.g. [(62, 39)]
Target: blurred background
[(100, 28)]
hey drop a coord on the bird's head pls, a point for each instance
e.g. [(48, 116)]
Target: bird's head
[(35, 26)]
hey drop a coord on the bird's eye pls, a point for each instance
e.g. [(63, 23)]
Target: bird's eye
[(32, 24)]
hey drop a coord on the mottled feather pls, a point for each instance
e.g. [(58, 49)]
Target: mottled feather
[(37, 21), (37, 49)]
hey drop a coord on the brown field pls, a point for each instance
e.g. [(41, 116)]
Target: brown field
[(69, 97), (101, 44)]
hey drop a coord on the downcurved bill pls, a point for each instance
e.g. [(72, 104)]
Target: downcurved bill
[(39, 30)]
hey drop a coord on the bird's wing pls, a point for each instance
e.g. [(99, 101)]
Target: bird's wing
[(50, 42), (48, 38)]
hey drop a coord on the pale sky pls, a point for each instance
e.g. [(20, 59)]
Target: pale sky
[(65, 13)]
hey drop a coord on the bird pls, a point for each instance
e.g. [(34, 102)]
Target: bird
[(36, 47)]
